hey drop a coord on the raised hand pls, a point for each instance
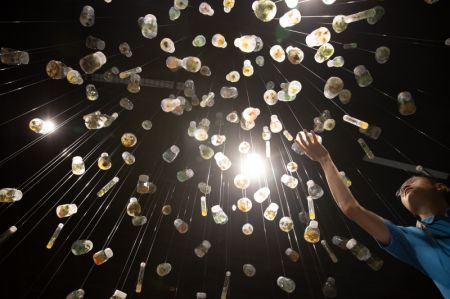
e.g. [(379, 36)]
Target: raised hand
[(312, 148)]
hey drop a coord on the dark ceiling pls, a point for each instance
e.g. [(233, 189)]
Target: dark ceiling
[(413, 30)]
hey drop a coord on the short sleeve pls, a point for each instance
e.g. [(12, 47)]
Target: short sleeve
[(400, 245)]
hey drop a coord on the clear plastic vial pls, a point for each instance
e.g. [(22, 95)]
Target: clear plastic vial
[(55, 235), (107, 187)]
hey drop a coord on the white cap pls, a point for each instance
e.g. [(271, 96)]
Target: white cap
[(309, 198), (314, 224), (216, 209), (206, 244), (143, 265), (133, 199), (351, 243), (13, 229), (61, 225), (108, 252), (120, 294), (289, 251), (310, 183), (228, 273)]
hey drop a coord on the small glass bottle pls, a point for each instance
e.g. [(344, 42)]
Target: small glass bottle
[(314, 190), (406, 104), (244, 204), (375, 263), (138, 220), (181, 226), (271, 211), (184, 175), (91, 92), (241, 181), (104, 162), (222, 161), (166, 210), (219, 215), (362, 76), (102, 256), (66, 210), (78, 165), (10, 195), (329, 288), (311, 209), (77, 294), (203, 206), (275, 124), (55, 235), (206, 152), (360, 251), (128, 158), (266, 135), (202, 249), (312, 232), (293, 255), (107, 187), (204, 188), (80, 247), (286, 224), (330, 252), (292, 167), (340, 242), (289, 181), (133, 207), (261, 194), (170, 154), (249, 270), (118, 295), (143, 184), (163, 269), (7, 234), (286, 284), (247, 229)]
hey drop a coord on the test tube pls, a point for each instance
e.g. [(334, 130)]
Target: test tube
[(203, 206), (140, 278), (226, 284), (330, 252), (107, 187), (128, 73), (268, 149), (355, 121), (288, 135), (311, 210), (362, 15), (366, 149), (55, 235)]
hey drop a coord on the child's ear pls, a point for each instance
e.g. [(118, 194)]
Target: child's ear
[(442, 187)]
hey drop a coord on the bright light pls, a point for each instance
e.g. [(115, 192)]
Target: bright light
[(253, 165), (48, 127)]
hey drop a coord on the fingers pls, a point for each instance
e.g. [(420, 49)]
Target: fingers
[(314, 136)]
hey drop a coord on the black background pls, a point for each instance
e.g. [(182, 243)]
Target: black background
[(418, 63)]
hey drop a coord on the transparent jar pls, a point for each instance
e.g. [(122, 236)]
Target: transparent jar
[(102, 256), (292, 167), (286, 284), (80, 247), (242, 181), (314, 190), (66, 210), (92, 62), (128, 140), (360, 251), (293, 255), (143, 185), (266, 135), (249, 270), (312, 232), (138, 220), (206, 152), (406, 103), (286, 224), (78, 167), (219, 215), (104, 162), (271, 211), (362, 76), (171, 154), (247, 229), (163, 269), (202, 248), (166, 210), (181, 226), (222, 161), (133, 207), (184, 175), (329, 288), (91, 92), (275, 124), (244, 147), (244, 204), (128, 158), (289, 181), (261, 194)]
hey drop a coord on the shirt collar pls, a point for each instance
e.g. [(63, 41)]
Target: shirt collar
[(431, 219)]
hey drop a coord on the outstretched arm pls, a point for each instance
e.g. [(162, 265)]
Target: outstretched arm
[(367, 220)]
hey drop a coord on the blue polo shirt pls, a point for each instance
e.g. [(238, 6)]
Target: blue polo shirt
[(428, 249)]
